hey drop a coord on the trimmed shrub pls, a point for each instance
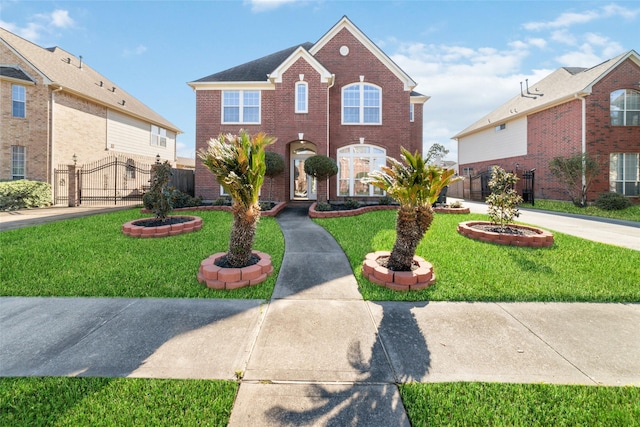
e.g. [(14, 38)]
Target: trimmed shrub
[(612, 202), (352, 204), (222, 201), (183, 200), (23, 194), (386, 200), (323, 207)]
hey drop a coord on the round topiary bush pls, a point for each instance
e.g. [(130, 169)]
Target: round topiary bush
[(612, 202)]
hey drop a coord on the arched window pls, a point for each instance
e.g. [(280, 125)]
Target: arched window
[(355, 162), (625, 107), (361, 104)]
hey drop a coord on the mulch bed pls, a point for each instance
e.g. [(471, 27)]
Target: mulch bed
[(158, 222), (506, 230)]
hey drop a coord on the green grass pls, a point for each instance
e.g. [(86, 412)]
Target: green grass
[(629, 214), (91, 257), (65, 401), (491, 404), (573, 269)]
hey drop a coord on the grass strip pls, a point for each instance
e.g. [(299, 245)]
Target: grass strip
[(573, 269), (631, 213), (91, 257), (494, 404), (73, 401)]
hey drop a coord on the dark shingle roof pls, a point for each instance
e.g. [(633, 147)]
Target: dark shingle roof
[(254, 71), (15, 73), (574, 70)]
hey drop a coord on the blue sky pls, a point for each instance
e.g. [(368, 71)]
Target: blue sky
[(469, 56)]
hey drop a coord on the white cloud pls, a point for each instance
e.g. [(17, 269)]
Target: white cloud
[(138, 50), (41, 24), (61, 19), (266, 5), (569, 19)]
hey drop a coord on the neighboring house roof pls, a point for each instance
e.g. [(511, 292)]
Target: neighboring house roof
[(271, 66), (15, 73), (61, 69), (558, 87)]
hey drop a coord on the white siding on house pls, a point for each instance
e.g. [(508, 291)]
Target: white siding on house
[(129, 135), (492, 144)]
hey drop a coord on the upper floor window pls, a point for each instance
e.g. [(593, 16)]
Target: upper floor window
[(411, 112), (302, 95), (158, 136), (19, 98), (625, 107), (624, 173), (361, 104), (500, 127), (241, 106), (355, 162), (18, 161)]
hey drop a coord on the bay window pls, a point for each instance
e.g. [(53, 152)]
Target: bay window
[(356, 162)]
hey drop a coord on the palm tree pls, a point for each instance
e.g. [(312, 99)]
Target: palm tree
[(415, 186), (238, 162)]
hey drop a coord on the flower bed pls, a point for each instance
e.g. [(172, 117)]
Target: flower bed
[(529, 236), (136, 229), (216, 277), (419, 278), (313, 213), (273, 212)]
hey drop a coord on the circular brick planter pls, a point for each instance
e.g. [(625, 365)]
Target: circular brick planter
[(536, 238), (133, 230), (415, 280), (215, 277), (446, 209)]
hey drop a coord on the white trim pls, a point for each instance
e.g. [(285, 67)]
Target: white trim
[(241, 108), (232, 85), (300, 52), (345, 23), (361, 107), (351, 175), (306, 96)]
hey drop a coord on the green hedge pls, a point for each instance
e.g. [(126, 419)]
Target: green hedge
[(24, 194)]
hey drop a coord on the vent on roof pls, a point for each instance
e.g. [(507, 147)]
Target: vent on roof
[(122, 103), (101, 84), (80, 62), (113, 89)]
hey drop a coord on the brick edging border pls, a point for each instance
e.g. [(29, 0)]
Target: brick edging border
[(541, 239), (130, 229), (272, 212), (215, 277), (313, 213), (415, 280)]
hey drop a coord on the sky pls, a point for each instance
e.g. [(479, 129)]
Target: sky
[(468, 56)]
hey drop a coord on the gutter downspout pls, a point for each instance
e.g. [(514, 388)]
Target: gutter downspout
[(583, 136), (51, 147), (333, 82)]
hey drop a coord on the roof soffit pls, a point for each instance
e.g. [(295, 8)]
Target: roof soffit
[(345, 23), (276, 75)]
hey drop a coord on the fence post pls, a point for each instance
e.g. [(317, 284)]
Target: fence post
[(72, 189)]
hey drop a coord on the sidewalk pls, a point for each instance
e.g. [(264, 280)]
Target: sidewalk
[(316, 353), (30, 217)]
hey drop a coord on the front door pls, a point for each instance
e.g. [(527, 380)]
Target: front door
[(303, 186)]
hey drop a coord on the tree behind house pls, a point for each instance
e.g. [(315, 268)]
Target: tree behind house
[(569, 171)]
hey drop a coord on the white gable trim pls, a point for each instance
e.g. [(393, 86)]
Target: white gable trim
[(631, 54), (300, 52), (345, 23)]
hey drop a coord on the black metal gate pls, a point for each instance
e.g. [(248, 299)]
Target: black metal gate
[(112, 181), (479, 186), (61, 185), (527, 186)]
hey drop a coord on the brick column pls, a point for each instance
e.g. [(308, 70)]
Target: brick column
[(73, 186)]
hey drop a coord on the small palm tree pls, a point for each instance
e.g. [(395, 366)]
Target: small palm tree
[(238, 162), (415, 186)]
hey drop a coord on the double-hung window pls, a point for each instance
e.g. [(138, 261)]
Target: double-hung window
[(624, 173), (18, 161), (241, 106), (158, 136), (355, 163), (302, 97), (625, 107), (19, 101), (361, 104)]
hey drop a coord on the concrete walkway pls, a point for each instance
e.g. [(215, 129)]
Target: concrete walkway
[(317, 354)]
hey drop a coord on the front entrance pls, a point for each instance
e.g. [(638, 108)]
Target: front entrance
[(303, 186)]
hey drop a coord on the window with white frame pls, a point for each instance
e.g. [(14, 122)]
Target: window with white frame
[(19, 101), (356, 162), (18, 161), (624, 173), (625, 107), (302, 97), (158, 136), (411, 111), (241, 106), (362, 104)]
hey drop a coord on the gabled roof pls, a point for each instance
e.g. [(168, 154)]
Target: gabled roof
[(272, 66), (15, 73), (345, 23), (562, 85), (301, 52), (60, 69), (254, 71)]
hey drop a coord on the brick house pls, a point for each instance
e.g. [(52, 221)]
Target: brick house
[(573, 110), (341, 97), (53, 106)]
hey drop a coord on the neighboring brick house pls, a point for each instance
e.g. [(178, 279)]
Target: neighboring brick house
[(53, 106), (573, 110), (341, 97)]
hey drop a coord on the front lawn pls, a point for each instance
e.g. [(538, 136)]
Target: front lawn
[(573, 269), (631, 213), (492, 404), (72, 401), (91, 257)]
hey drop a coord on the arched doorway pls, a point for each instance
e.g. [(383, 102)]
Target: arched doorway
[(303, 186)]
